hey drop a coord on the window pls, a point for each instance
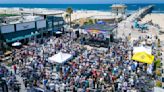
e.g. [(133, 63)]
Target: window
[(49, 24), (55, 23), (61, 22), (162, 79)]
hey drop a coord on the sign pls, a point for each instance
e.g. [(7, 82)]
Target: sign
[(25, 26), (7, 29)]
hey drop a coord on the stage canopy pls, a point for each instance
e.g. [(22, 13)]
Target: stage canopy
[(60, 57), (142, 49), (101, 27)]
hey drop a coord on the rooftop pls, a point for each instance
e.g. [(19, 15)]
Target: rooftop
[(20, 19), (118, 6), (107, 27), (105, 17)]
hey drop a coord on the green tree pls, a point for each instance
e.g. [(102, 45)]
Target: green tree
[(158, 83), (157, 63), (69, 11), (90, 21)]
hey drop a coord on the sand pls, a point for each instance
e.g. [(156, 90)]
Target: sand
[(89, 13), (78, 14), (156, 19)]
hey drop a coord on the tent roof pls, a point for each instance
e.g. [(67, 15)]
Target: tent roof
[(158, 89), (143, 57), (142, 49), (60, 57), (106, 27)]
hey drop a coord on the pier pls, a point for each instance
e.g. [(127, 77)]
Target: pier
[(124, 27), (141, 13)]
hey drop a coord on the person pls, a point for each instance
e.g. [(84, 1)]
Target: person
[(15, 69), (25, 83), (45, 83)]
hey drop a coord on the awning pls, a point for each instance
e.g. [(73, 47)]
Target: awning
[(142, 49), (16, 36), (7, 53), (16, 44), (143, 57), (58, 32)]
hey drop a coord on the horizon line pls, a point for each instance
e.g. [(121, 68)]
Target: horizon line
[(84, 3)]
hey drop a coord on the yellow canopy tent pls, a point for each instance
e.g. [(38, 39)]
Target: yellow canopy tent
[(143, 57)]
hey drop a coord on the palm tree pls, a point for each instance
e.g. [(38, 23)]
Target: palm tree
[(69, 12), (1, 42)]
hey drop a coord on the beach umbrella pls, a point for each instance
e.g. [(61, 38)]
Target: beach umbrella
[(143, 57), (16, 44), (100, 22)]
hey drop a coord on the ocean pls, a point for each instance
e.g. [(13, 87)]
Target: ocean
[(159, 8)]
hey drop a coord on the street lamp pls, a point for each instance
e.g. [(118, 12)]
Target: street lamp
[(116, 23)]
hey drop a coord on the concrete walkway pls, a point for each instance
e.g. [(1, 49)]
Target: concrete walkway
[(20, 80)]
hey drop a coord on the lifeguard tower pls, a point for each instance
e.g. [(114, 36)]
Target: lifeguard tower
[(118, 9)]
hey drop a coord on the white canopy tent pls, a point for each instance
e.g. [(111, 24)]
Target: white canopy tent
[(142, 49), (16, 44), (58, 32), (60, 57), (158, 89)]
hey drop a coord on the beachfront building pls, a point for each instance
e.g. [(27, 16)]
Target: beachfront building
[(30, 27), (118, 9), (55, 21)]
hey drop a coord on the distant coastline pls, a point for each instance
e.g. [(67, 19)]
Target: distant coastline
[(99, 7)]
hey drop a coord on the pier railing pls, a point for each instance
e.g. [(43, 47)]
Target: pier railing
[(141, 13)]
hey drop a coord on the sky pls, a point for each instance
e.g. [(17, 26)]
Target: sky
[(77, 1)]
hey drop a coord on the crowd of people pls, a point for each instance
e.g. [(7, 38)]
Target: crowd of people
[(90, 70)]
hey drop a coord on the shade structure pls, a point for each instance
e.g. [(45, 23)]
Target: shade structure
[(143, 57), (100, 22), (142, 49), (58, 32), (16, 44), (60, 57)]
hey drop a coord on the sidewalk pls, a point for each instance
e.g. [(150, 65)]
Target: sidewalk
[(20, 80)]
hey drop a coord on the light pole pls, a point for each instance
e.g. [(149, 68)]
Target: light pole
[(116, 23)]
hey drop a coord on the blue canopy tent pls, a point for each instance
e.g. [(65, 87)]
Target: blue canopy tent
[(101, 22)]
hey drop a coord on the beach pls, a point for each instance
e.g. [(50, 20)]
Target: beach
[(157, 18), (77, 14)]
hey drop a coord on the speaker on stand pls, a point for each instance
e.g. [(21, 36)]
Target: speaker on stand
[(111, 38), (77, 34)]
